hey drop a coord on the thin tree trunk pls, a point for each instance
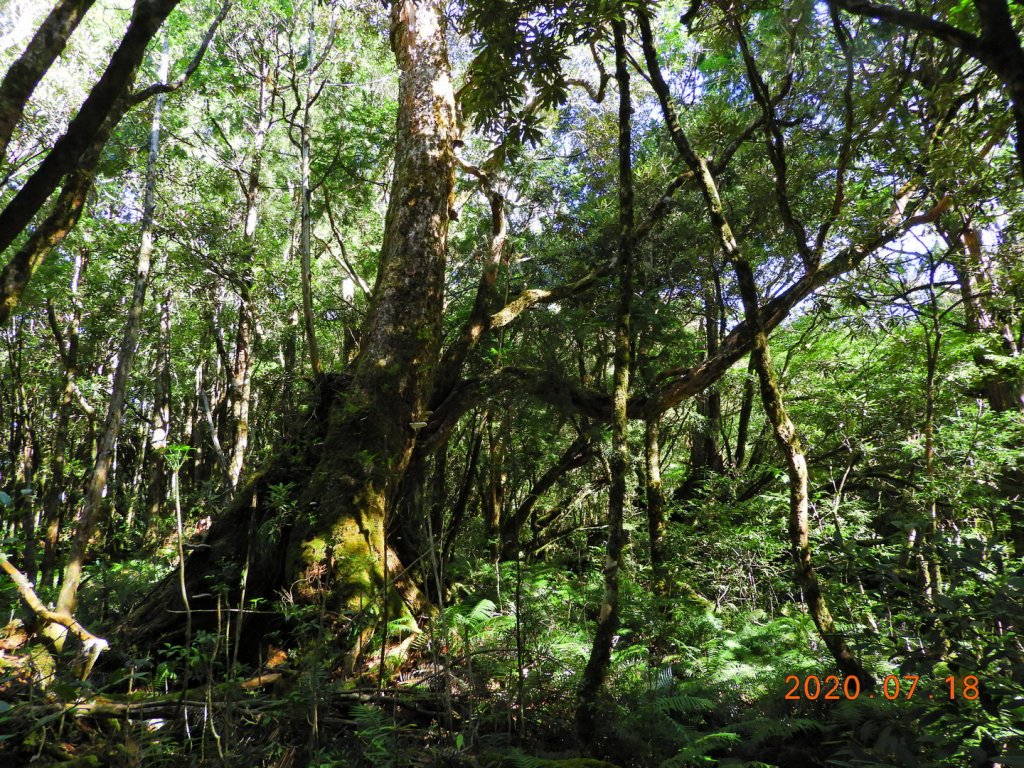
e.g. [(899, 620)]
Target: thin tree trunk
[(88, 515), (23, 453), (930, 571), (579, 452), (608, 619), (479, 319), (159, 435), (771, 396), (304, 220), (743, 427), (796, 468), (493, 495), (655, 507), (458, 513), (987, 313), (53, 498), (705, 453), (241, 375)]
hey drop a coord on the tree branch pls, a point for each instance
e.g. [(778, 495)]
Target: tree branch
[(92, 644), (197, 59)]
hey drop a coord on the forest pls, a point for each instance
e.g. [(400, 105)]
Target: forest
[(512, 383)]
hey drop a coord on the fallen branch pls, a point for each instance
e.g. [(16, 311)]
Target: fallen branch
[(174, 704), (92, 645)]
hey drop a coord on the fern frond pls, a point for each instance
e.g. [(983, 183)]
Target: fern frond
[(764, 729), (682, 704)]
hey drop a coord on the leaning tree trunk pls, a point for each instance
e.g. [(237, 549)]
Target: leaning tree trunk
[(361, 433), (25, 73), (796, 468), (98, 113)]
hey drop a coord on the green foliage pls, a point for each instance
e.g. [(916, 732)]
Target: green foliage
[(899, 376)]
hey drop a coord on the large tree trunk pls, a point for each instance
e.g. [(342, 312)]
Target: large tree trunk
[(370, 435), (362, 432)]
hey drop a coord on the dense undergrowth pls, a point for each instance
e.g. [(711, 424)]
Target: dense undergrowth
[(698, 677)]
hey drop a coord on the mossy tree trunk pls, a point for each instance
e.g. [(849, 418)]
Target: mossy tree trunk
[(345, 476), (796, 468), (370, 433), (771, 395)]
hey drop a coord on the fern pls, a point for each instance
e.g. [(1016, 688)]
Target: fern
[(762, 730), (682, 704), (696, 753), (513, 756), (375, 732)]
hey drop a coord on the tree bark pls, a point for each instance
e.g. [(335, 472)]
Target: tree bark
[(25, 73), (160, 431), (655, 507), (370, 436), (82, 132), (608, 619), (361, 436), (86, 520), (54, 228)]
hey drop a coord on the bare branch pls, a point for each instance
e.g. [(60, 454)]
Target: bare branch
[(197, 58)]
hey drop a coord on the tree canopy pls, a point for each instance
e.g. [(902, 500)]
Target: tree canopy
[(504, 382)]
